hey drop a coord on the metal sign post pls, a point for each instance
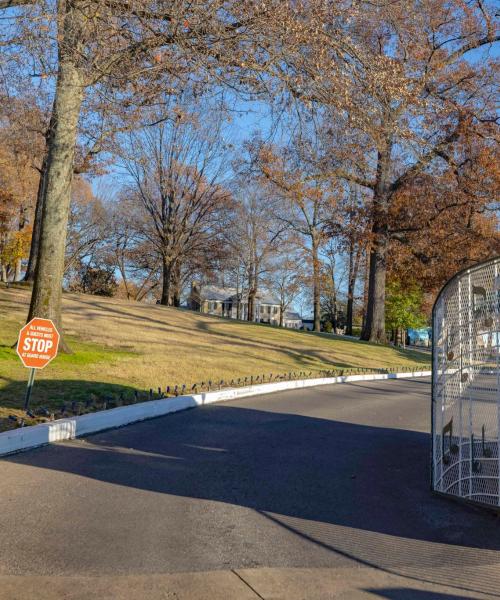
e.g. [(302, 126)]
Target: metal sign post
[(31, 381)]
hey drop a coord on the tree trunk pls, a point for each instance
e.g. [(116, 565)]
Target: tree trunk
[(37, 223), (334, 312), (349, 311), (176, 286), (251, 304), (365, 287), (374, 330), (282, 314), (238, 294), (252, 292), (18, 270), (125, 285), (166, 282), (335, 315), (316, 286), (354, 256), (375, 311), (47, 290)]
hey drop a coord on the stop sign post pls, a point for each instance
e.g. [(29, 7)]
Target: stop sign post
[(37, 346)]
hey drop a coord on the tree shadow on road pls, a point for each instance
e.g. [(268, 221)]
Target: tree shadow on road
[(412, 594), (357, 491)]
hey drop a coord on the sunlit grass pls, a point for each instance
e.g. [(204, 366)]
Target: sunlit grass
[(121, 346)]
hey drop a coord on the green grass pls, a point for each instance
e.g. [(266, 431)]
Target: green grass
[(120, 347)]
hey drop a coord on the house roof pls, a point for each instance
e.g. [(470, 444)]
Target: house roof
[(266, 298), (212, 292), (292, 316)]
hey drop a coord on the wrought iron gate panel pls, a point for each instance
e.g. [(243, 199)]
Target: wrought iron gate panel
[(466, 386)]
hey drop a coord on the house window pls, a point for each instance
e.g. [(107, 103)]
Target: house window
[(275, 310)]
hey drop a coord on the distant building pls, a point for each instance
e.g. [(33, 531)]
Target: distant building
[(308, 324), (226, 302), (292, 320)]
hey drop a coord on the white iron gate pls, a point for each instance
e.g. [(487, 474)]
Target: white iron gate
[(466, 386)]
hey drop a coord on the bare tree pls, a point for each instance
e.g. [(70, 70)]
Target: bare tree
[(178, 166), (86, 225), (133, 255), (306, 201), (134, 48), (286, 278), (350, 226), (405, 81), (253, 236)]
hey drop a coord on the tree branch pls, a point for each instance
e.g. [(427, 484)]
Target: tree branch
[(438, 150), (11, 3), (489, 39), (344, 175)]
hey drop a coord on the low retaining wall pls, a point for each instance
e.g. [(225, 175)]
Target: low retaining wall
[(25, 438)]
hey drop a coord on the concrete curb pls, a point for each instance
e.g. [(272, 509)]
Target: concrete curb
[(25, 438)]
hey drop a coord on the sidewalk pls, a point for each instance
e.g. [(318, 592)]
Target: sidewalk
[(242, 584)]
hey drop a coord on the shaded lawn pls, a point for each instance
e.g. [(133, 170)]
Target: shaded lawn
[(121, 346)]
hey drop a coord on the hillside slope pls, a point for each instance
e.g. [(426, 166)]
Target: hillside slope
[(121, 346)]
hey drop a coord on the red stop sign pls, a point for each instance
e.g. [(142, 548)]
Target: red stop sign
[(38, 342)]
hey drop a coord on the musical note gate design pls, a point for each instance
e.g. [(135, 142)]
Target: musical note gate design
[(466, 386)]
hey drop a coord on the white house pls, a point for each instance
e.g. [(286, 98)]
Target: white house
[(292, 320), (227, 302)]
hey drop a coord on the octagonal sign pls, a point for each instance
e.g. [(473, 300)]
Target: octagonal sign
[(38, 343)]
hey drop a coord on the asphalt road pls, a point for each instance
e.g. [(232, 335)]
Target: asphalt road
[(323, 490)]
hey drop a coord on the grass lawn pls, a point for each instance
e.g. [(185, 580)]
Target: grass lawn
[(120, 347)]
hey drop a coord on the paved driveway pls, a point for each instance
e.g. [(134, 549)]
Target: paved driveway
[(317, 493)]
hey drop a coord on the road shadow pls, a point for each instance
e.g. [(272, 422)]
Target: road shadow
[(358, 491), (412, 594)]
